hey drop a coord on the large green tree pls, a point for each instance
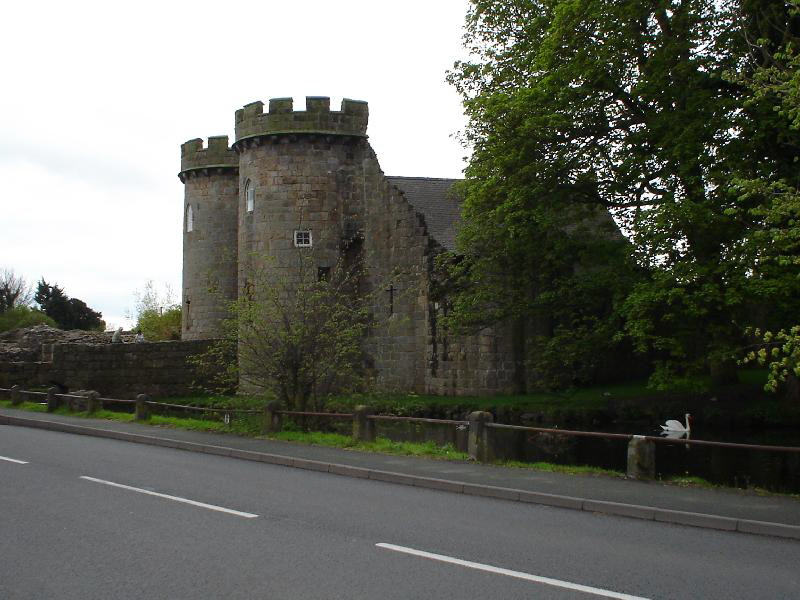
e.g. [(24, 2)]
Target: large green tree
[(15, 299), (68, 313), (774, 44), (627, 105)]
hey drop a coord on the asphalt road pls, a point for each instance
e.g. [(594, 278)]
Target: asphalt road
[(67, 532)]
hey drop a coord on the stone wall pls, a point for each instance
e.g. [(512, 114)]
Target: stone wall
[(398, 255), (23, 373), (115, 370), (125, 370), (302, 185), (411, 351), (210, 212), (209, 252), (474, 365)]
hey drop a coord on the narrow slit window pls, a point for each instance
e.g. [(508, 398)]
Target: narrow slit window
[(302, 238), (250, 196), (189, 218)]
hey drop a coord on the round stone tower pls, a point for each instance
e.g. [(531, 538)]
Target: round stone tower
[(210, 221), (301, 186)]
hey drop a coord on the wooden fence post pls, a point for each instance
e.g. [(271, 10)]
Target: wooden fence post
[(363, 427), (16, 395), (142, 411), (478, 440)]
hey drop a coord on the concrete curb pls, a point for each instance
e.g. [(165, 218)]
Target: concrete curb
[(634, 511)]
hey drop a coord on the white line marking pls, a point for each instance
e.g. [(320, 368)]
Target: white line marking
[(14, 460), (230, 511), (510, 573)]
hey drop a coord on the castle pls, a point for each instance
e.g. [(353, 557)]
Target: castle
[(310, 179)]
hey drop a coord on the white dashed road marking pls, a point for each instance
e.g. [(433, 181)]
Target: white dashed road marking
[(229, 511), (509, 573)]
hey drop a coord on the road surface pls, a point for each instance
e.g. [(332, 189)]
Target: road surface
[(84, 518)]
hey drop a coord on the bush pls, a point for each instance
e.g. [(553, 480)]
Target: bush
[(22, 316), (157, 315), (160, 326)]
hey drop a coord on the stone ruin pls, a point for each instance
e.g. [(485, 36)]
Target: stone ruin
[(31, 344), (43, 356)]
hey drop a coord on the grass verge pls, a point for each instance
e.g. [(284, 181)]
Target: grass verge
[(382, 445), (567, 469), (238, 425)]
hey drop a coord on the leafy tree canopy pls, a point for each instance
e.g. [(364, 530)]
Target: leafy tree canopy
[(14, 291), (778, 78), (68, 313), (638, 107)]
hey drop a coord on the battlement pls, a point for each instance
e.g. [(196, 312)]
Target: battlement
[(351, 120), (218, 154)]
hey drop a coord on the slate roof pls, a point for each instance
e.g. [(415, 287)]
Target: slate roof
[(435, 199)]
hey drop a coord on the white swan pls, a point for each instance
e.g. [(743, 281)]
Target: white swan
[(673, 426)]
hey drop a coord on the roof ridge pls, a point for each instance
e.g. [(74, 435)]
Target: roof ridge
[(427, 178)]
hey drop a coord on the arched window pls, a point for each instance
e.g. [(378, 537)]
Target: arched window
[(189, 218), (249, 196)]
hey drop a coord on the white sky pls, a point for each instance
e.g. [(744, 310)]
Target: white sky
[(98, 96)]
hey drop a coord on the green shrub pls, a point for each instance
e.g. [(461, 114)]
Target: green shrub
[(160, 326), (22, 316)]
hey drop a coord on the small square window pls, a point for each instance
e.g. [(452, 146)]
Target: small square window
[(302, 238), (323, 273)]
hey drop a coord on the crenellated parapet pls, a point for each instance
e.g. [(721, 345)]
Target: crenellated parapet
[(218, 156), (318, 118)]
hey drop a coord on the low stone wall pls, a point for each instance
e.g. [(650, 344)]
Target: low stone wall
[(125, 370), (23, 373)]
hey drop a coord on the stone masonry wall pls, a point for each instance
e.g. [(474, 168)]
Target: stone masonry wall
[(125, 370), (315, 171), (23, 373), (398, 255), (410, 350), (297, 188), (474, 365), (209, 252), (334, 186)]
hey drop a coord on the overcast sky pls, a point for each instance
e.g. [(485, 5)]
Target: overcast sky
[(98, 96)]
